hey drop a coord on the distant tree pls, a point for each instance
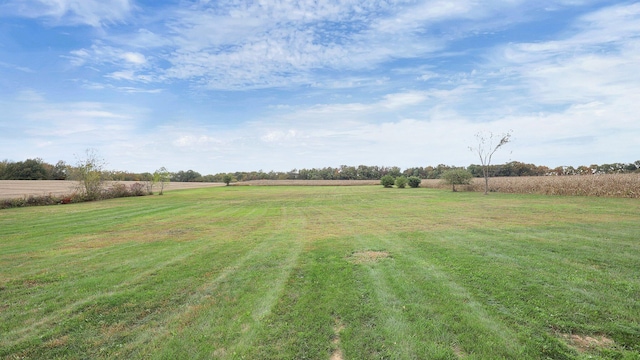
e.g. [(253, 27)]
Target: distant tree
[(347, 173), (401, 182), (161, 177), (456, 177), (60, 171), (387, 181), (436, 173), (414, 181), (186, 176), (393, 171), (89, 172), (227, 178), (3, 167), (30, 169), (487, 145), (475, 170)]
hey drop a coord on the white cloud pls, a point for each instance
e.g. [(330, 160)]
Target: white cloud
[(70, 123), (72, 12), (428, 75), (425, 13), (30, 95), (60, 120), (16, 67), (250, 45), (134, 58), (193, 141), (279, 136), (122, 75), (597, 61), (395, 101)]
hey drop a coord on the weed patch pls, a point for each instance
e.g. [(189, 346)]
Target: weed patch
[(368, 256)]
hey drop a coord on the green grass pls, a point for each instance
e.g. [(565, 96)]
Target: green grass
[(282, 273)]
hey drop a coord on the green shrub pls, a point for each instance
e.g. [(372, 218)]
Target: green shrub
[(457, 177), (414, 181), (401, 182), (387, 181), (227, 178)]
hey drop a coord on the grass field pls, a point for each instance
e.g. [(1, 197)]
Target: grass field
[(357, 272)]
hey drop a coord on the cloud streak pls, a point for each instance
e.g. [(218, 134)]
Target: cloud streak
[(94, 13)]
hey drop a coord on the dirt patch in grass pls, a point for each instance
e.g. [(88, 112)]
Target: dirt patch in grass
[(337, 328), (57, 342), (586, 343), (368, 256), (459, 352)]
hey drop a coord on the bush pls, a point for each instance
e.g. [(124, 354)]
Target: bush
[(116, 191), (401, 182), (138, 189), (387, 181), (31, 200), (414, 181)]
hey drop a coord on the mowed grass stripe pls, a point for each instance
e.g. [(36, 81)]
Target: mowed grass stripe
[(541, 290), (278, 273), (446, 320), (115, 262), (222, 316)]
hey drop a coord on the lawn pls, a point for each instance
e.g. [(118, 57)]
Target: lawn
[(356, 272)]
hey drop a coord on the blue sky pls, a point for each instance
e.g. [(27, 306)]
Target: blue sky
[(238, 85)]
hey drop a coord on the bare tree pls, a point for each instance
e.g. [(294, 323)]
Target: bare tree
[(161, 176), (488, 144), (89, 172)]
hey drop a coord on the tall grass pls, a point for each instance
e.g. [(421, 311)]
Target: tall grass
[(609, 185)]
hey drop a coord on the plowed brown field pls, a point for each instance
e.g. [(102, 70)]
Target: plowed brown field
[(11, 189)]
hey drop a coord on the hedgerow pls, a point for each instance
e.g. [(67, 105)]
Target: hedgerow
[(115, 191)]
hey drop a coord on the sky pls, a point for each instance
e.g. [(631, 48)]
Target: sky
[(238, 85)]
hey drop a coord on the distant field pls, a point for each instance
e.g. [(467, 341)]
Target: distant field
[(612, 185), (10, 189), (606, 185), (308, 182), (619, 185), (331, 272)]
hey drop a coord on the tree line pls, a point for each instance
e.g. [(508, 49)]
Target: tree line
[(37, 169)]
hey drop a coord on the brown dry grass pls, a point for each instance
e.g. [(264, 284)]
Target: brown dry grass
[(585, 343), (368, 256), (13, 189), (612, 185)]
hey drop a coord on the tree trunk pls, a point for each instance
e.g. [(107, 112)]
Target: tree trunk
[(486, 181)]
